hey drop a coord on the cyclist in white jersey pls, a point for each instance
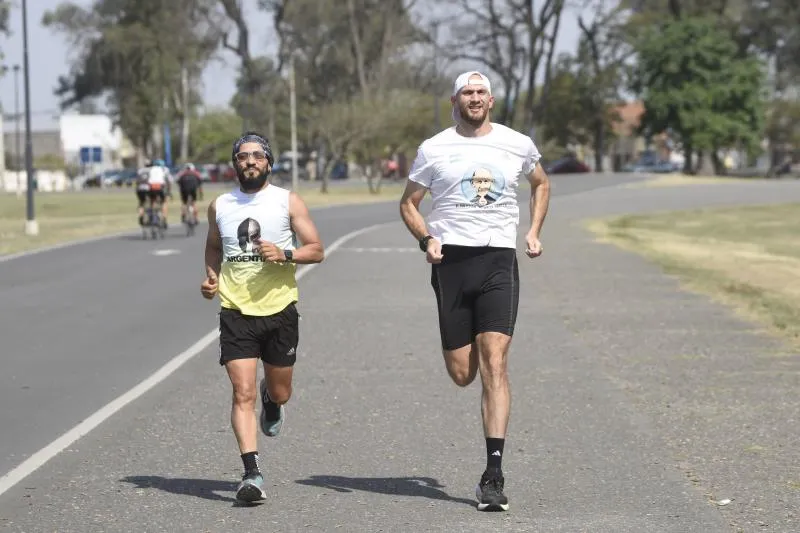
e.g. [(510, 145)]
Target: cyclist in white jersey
[(472, 171), (154, 182), (250, 256)]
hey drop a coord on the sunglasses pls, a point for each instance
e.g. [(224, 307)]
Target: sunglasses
[(258, 155)]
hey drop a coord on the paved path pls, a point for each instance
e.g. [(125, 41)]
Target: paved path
[(635, 404)]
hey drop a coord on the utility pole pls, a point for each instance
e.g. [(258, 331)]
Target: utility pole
[(17, 151), (31, 225), (293, 119)]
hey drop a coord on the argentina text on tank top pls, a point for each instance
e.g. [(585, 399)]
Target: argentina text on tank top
[(247, 282)]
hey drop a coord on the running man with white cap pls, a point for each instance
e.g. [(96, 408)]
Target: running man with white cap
[(471, 244)]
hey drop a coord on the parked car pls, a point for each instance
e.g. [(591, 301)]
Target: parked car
[(126, 177), (566, 165), (283, 168), (650, 162)]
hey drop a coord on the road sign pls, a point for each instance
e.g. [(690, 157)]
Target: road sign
[(91, 154)]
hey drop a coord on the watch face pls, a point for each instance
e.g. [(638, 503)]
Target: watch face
[(288, 254)]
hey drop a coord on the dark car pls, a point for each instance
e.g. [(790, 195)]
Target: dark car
[(566, 165)]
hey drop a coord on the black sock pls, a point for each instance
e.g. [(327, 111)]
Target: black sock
[(494, 453), (250, 460)]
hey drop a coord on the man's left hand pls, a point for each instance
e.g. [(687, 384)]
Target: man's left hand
[(270, 252)]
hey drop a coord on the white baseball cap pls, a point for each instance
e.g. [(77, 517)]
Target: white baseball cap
[(464, 79)]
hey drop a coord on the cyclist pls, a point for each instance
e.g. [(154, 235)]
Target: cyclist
[(142, 189), (190, 184), (159, 181)]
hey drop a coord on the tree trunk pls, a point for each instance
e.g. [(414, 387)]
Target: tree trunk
[(185, 111), (599, 145), (719, 167), (701, 157), (359, 54), (687, 162)]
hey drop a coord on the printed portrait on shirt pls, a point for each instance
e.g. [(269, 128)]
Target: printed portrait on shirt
[(482, 185), (249, 232)]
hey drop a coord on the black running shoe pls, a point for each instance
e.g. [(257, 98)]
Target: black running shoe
[(490, 493)]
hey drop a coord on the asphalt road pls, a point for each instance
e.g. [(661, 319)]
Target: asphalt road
[(619, 422)]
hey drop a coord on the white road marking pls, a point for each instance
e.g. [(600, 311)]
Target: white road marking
[(165, 252), (384, 250), (39, 458)]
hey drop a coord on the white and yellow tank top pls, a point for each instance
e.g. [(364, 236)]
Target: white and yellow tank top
[(246, 282)]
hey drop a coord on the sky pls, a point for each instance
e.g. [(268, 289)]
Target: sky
[(49, 57)]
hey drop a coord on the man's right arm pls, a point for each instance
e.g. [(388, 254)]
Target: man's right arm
[(409, 209), (213, 253)]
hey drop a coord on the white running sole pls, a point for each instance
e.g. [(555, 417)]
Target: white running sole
[(488, 507)]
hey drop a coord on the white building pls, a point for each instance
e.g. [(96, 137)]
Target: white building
[(91, 133)]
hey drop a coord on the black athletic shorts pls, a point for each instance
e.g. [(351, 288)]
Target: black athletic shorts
[(477, 290), (142, 196), (273, 338), (188, 193), (157, 195)]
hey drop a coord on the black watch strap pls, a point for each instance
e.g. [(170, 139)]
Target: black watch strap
[(289, 255), (423, 242)]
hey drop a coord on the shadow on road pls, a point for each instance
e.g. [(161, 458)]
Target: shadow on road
[(424, 487), (200, 488)]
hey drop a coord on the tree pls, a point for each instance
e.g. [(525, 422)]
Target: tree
[(693, 81), (212, 135), (5, 9), (133, 53), (602, 55), (514, 41)]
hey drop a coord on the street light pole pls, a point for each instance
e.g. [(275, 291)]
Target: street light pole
[(31, 226), (17, 153)]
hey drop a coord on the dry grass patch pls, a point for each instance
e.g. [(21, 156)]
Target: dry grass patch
[(747, 257)]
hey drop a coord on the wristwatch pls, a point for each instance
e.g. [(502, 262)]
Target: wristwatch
[(289, 256), (423, 242)]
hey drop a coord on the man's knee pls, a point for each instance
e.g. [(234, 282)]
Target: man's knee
[(280, 393), (244, 395), (462, 377)]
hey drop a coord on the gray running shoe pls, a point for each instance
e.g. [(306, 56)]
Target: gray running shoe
[(270, 426), (251, 488)]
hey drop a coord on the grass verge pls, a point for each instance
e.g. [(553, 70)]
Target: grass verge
[(745, 257), (70, 216), (681, 180)]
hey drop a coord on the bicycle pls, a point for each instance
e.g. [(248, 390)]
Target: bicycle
[(190, 219), (154, 224)]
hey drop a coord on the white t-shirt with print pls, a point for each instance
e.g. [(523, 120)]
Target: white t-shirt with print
[(473, 183)]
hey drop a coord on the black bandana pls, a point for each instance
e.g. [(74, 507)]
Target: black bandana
[(253, 137)]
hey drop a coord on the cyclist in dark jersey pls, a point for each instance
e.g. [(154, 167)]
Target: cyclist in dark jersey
[(190, 184)]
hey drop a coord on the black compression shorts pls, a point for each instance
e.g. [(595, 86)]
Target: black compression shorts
[(477, 290)]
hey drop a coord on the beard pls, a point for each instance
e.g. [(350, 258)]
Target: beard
[(251, 183), (474, 120)]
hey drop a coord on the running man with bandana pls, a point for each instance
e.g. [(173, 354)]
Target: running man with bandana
[(252, 250)]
